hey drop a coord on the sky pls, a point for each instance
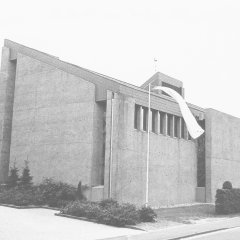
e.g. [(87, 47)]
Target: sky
[(195, 41)]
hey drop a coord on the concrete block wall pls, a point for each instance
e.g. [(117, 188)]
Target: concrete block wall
[(52, 125), (172, 165), (222, 151)]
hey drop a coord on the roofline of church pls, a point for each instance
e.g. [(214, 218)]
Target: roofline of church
[(68, 67)]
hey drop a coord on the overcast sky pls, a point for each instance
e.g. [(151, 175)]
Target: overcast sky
[(195, 41)]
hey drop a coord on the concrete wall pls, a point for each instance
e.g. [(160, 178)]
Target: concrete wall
[(56, 125), (98, 144), (53, 122), (172, 166), (7, 85), (222, 151)]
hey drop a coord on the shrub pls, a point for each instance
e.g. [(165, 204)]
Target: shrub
[(107, 203), (13, 178), (227, 185), (227, 201), (3, 187), (125, 214), (26, 178), (77, 208), (21, 197), (147, 214), (51, 193), (56, 193), (80, 190), (107, 212)]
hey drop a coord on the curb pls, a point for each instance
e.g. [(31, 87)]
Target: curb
[(28, 207), (201, 233), (146, 237), (94, 221), (180, 232)]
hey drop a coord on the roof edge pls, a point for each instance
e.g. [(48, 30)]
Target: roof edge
[(50, 59)]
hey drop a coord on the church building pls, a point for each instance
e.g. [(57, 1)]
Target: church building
[(73, 124)]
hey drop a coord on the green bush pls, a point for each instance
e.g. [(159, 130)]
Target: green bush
[(13, 177), (21, 196), (80, 191), (26, 178), (125, 214), (51, 193), (3, 187), (107, 212), (77, 208), (227, 201), (147, 214), (107, 203), (227, 185), (56, 193)]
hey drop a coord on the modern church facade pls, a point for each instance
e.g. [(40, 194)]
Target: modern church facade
[(72, 124)]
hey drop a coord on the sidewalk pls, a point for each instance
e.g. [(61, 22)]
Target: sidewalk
[(42, 224), (179, 232)]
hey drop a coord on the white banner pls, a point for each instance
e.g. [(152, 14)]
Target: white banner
[(193, 128)]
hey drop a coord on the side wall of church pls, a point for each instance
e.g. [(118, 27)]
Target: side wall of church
[(172, 163), (52, 123), (222, 151)]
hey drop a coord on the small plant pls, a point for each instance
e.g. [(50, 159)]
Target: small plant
[(21, 196), (147, 214), (26, 178), (107, 212), (107, 203), (80, 191), (227, 201), (227, 185), (13, 177), (57, 193)]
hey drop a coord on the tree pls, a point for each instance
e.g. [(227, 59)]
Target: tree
[(13, 177), (26, 178)]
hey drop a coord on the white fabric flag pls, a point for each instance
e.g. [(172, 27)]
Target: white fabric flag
[(193, 128)]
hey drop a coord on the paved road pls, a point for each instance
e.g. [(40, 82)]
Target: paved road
[(229, 234), (41, 224)]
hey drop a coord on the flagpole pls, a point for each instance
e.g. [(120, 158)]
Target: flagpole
[(148, 144)]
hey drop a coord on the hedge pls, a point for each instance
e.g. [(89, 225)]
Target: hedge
[(227, 201), (110, 212), (49, 192)]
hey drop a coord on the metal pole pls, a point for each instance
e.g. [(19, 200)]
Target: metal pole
[(148, 144), (111, 155)]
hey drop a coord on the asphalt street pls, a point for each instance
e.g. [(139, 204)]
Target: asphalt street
[(228, 234)]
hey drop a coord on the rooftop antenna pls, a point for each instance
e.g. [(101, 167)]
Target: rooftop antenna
[(155, 65)]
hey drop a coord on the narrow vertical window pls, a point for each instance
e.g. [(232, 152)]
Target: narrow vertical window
[(182, 128), (177, 126), (154, 118), (170, 125), (137, 117), (162, 122), (145, 118)]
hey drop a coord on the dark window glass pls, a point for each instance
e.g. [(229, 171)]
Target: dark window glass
[(137, 117), (154, 118), (145, 119), (169, 125), (162, 122), (176, 126), (183, 129)]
